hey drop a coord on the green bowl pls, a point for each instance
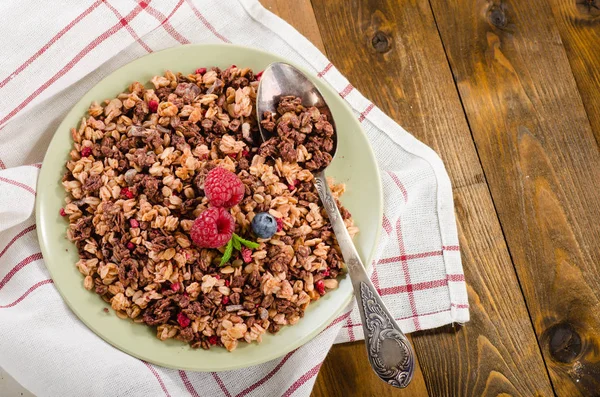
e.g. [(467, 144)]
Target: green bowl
[(354, 164)]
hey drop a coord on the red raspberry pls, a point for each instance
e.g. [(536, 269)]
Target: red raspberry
[(213, 340), (183, 320), (225, 300), (246, 254), (134, 223), (130, 246), (279, 224), (320, 287), (86, 151), (258, 75), (213, 228), (62, 212), (175, 287), (227, 283), (223, 188), (153, 106), (245, 153), (326, 272), (218, 277), (200, 70), (127, 193)]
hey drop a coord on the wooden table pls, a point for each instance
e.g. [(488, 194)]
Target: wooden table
[(508, 94)]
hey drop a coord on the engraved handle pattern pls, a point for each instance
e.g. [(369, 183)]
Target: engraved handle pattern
[(327, 199), (337, 223), (390, 353), (381, 327)]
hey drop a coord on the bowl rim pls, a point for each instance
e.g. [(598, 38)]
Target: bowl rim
[(268, 355)]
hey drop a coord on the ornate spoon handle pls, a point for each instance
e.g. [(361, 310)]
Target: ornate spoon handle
[(390, 353)]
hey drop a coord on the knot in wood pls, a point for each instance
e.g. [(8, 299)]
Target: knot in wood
[(497, 16), (381, 42), (591, 7), (564, 343)]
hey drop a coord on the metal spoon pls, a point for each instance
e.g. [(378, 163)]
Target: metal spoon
[(390, 353)]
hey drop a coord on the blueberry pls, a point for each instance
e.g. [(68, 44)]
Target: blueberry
[(264, 225)]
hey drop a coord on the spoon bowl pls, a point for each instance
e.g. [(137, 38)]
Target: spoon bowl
[(280, 79)]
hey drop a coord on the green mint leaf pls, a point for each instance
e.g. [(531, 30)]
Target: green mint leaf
[(236, 242), (227, 253), (247, 243)]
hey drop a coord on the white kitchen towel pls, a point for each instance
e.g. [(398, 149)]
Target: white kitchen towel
[(52, 53)]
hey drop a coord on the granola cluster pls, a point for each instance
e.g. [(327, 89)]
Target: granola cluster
[(135, 185), (299, 135)]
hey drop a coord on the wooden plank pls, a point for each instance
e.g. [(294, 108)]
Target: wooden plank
[(300, 15), (397, 60), (349, 359), (542, 164), (346, 372), (579, 25)]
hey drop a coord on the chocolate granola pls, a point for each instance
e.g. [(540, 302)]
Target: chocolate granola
[(135, 184)]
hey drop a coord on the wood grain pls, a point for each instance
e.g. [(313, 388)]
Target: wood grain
[(578, 22), (543, 167), (349, 359), (300, 15), (346, 372), (398, 61)]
